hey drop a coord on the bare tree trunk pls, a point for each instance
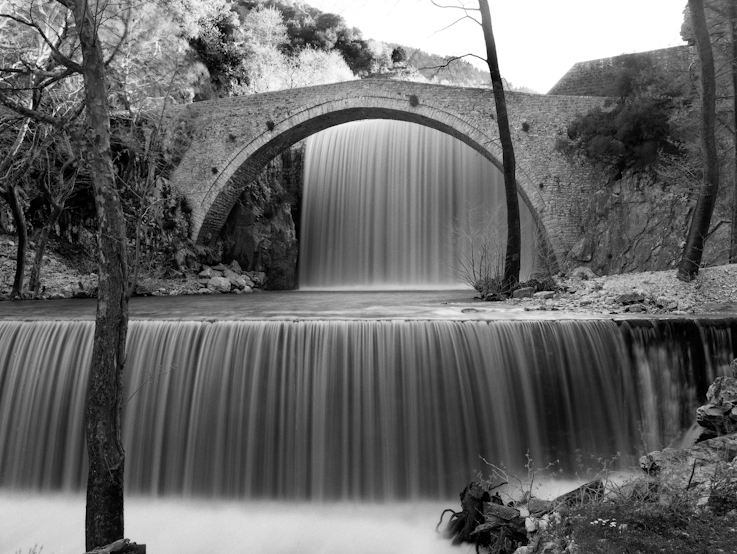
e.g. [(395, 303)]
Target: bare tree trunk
[(104, 519), (34, 283), (9, 193), (57, 202), (733, 38), (514, 240), (11, 197), (688, 267)]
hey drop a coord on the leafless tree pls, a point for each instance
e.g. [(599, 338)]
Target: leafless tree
[(514, 238), (693, 250)]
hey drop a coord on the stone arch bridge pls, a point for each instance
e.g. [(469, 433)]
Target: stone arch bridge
[(237, 137)]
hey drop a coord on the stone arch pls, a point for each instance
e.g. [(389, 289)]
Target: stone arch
[(220, 195)]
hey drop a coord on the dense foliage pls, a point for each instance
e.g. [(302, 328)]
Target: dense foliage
[(635, 126)]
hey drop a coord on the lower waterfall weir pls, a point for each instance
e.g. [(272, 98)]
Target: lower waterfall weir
[(352, 409)]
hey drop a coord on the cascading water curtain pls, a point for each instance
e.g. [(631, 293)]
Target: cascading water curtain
[(363, 410), (396, 205)]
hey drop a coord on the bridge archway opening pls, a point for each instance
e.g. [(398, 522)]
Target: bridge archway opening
[(255, 156), (395, 205)]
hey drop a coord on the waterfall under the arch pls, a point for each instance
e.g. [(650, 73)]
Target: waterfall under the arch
[(396, 205)]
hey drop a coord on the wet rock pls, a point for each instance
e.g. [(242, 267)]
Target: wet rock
[(545, 294), (636, 308)]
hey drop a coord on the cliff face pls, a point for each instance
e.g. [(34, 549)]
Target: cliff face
[(261, 231), (633, 224), (639, 222)]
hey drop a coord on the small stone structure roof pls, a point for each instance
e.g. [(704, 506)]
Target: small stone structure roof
[(590, 78)]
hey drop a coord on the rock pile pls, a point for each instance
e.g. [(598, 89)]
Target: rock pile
[(719, 415), (707, 469), (635, 293), (231, 278)]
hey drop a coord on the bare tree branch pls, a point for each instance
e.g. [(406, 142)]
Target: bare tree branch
[(56, 53), (448, 61), (467, 16), (460, 6), (28, 112)]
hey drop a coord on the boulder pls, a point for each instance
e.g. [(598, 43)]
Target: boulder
[(258, 277), (695, 471), (219, 284), (634, 297), (545, 294), (719, 415), (237, 281), (524, 292)]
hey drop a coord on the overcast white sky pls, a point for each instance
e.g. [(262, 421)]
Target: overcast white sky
[(537, 40)]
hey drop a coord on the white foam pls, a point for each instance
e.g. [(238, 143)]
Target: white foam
[(56, 523)]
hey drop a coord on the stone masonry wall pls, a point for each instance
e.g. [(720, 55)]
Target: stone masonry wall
[(242, 134), (593, 78)]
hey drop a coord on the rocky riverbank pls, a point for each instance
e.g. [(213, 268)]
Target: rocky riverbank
[(655, 292)]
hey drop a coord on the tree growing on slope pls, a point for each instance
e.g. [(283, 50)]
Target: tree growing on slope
[(693, 250), (28, 72)]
